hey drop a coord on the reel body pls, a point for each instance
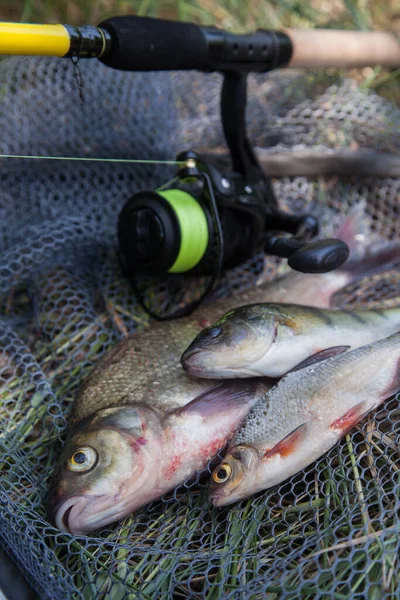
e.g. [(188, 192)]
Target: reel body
[(207, 221)]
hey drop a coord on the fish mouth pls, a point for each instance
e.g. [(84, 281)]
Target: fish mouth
[(211, 365), (72, 515), (219, 499), (205, 365), (193, 362), (67, 513)]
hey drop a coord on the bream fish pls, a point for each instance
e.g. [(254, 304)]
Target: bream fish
[(123, 457), (303, 416), (271, 339)]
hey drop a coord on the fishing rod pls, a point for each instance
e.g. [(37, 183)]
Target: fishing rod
[(145, 44), (207, 219)]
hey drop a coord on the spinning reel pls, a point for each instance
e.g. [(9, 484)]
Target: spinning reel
[(208, 221)]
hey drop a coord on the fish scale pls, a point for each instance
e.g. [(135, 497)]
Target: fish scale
[(303, 416), (304, 394)]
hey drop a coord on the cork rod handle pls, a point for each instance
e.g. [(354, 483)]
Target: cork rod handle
[(332, 48)]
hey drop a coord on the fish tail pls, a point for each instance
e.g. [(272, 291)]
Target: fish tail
[(374, 259), (355, 231), (364, 259), (363, 280)]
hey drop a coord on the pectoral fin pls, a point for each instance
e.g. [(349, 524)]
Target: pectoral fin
[(225, 397), (289, 443), (320, 356), (350, 418)]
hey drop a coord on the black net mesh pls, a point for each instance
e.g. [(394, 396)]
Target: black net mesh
[(331, 531)]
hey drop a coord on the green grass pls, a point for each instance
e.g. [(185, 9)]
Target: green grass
[(233, 14)]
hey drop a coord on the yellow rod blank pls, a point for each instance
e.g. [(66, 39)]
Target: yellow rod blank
[(37, 40)]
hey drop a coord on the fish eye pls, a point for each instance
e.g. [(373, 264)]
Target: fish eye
[(83, 460), (222, 473), (212, 332)]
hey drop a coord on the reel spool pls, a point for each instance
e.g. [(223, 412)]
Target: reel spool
[(181, 229)]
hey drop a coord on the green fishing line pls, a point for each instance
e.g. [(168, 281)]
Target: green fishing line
[(89, 159)]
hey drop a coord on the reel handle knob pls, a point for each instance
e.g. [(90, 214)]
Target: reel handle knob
[(321, 256)]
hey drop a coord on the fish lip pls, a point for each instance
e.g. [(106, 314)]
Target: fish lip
[(68, 512), (188, 362), (188, 354), (218, 498), (62, 513), (193, 370)]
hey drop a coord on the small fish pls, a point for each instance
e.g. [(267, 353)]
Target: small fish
[(303, 416), (121, 458), (271, 339)]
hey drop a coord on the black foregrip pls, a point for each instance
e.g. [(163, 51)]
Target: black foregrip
[(145, 44)]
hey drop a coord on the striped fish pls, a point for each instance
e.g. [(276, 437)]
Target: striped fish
[(271, 339)]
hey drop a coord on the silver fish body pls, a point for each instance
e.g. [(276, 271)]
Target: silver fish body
[(271, 339), (303, 416), (121, 458)]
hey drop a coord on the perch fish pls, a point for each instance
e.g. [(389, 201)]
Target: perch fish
[(271, 339)]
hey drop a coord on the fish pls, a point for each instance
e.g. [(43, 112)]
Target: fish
[(272, 339), (144, 371), (123, 457), (303, 416)]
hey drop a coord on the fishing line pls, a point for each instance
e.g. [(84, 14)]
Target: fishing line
[(95, 159)]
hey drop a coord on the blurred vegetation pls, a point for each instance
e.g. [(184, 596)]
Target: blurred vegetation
[(235, 15), (232, 14)]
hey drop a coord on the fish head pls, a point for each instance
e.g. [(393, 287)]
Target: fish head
[(234, 346), (246, 470), (233, 479), (106, 467)]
